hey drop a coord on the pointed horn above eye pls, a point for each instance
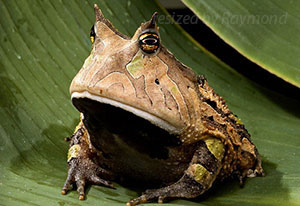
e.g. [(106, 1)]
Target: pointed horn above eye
[(153, 20), (151, 24), (98, 12), (100, 18)]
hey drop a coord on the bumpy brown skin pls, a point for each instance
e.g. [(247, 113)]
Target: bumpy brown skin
[(241, 157), (83, 169), (209, 143)]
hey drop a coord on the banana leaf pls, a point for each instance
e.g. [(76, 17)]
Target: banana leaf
[(44, 44), (266, 32)]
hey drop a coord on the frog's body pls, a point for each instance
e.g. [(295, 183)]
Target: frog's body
[(148, 118)]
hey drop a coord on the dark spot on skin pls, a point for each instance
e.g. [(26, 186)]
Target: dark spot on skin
[(156, 81), (212, 104), (201, 80), (241, 133)]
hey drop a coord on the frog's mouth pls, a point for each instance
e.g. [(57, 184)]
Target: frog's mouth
[(130, 145), (105, 121), (80, 98)]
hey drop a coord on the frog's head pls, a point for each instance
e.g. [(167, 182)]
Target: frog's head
[(137, 75)]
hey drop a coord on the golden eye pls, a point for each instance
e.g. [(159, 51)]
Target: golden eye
[(92, 34), (149, 42)]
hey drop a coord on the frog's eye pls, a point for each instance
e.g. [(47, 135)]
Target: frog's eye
[(92, 34), (149, 42)]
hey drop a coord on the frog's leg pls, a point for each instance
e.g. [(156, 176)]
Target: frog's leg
[(201, 173), (81, 167)]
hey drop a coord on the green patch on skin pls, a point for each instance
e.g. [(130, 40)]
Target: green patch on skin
[(135, 66), (174, 89), (73, 152), (200, 173), (90, 58), (216, 147), (239, 121)]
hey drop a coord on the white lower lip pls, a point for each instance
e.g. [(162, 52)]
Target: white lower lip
[(153, 119)]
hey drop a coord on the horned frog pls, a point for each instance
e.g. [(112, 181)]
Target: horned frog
[(147, 118)]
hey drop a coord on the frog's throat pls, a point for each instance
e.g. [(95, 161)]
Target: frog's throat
[(143, 114)]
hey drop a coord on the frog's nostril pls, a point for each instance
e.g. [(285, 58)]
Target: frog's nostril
[(156, 81)]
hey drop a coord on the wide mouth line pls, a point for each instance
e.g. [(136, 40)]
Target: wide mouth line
[(140, 113)]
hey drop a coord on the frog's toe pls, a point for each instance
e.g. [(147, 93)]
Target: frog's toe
[(136, 201), (149, 196), (81, 182), (68, 182), (80, 188), (81, 172), (98, 181)]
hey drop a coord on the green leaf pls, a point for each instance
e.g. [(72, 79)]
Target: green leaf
[(44, 44), (266, 32)]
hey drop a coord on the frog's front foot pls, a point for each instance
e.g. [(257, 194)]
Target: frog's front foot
[(82, 169)]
